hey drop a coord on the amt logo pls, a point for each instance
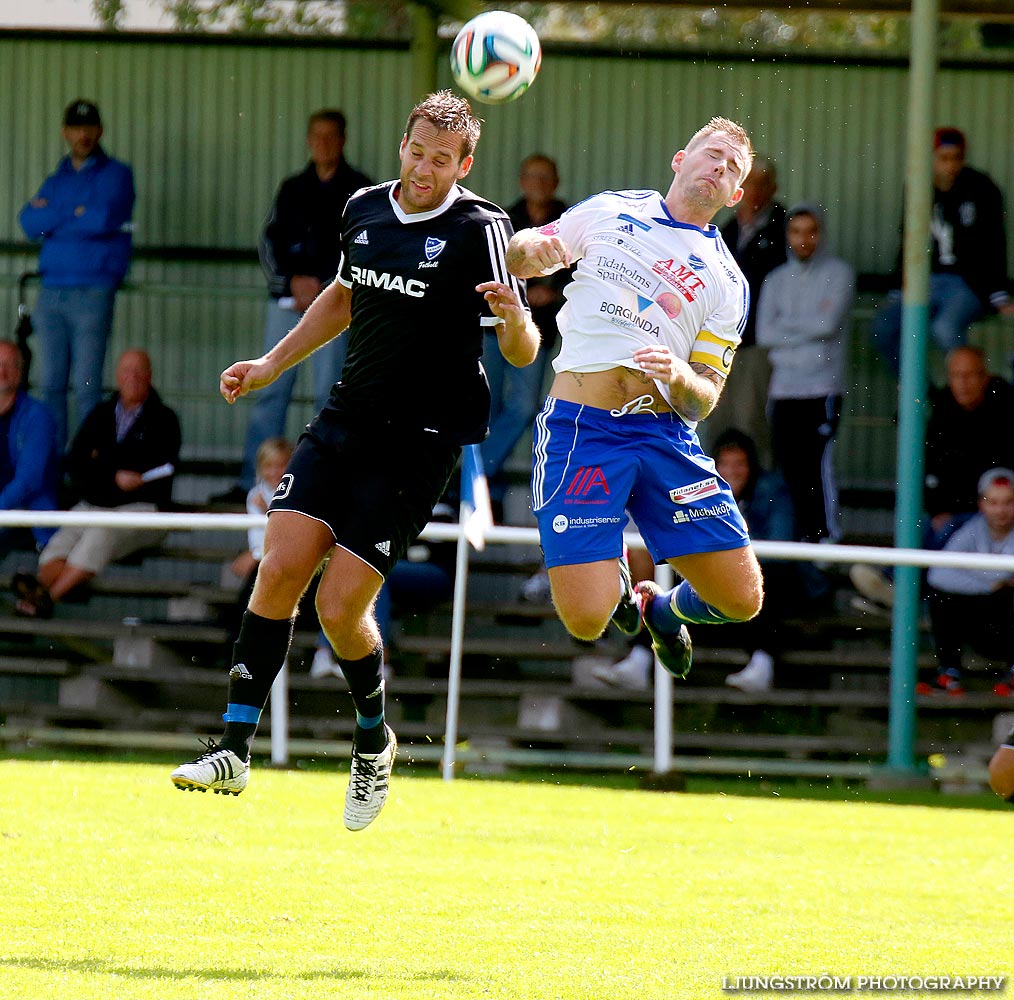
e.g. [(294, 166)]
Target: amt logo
[(588, 477), (390, 282)]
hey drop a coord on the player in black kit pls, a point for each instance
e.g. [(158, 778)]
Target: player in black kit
[(422, 275)]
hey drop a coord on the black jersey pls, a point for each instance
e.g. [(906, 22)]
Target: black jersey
[(415, 338)]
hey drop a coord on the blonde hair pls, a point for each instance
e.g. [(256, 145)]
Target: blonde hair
[(273, 447), (736, 133)]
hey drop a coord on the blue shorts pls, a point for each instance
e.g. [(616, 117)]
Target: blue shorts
[(589, 467)]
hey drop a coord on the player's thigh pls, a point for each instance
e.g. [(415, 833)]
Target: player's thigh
[(586, 590), (294, 546), (729, 580), (583, 468), (347, 589)]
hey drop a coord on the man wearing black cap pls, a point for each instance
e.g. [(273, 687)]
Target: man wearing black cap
[(969, 264), (81, 215)]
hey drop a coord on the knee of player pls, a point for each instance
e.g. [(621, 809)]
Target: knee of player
[(744, 604), (584, 623)]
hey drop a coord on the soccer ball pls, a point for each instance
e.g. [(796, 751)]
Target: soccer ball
[(495, 57)]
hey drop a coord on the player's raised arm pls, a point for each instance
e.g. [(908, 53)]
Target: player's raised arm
[(532, 253), (326, 318)]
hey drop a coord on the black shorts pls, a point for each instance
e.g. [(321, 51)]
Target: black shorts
[(375, 493)]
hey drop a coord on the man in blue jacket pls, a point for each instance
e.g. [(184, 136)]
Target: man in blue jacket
[(29, 456), (81, 215)]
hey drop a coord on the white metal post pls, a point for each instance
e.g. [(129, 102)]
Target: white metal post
[(280, 717), (457, 645)]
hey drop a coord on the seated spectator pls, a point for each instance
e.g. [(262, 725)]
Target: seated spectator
[(29, 453), (969, 265), (975, 607), (123, 458), (967, 434), (801, 318), (272, 457)]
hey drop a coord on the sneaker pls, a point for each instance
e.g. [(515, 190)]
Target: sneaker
[(675, 651), (873, 584), (627, 614), (218, 769), (536, 589), (944, 684), (369, 779), (757, 675), (324, 665), (633, 671)]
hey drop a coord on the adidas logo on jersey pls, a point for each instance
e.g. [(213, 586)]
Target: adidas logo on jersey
[(384, 547), (362, 239), (628, 229)]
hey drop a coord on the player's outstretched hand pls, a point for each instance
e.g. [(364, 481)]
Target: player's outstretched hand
[(532, 252), (503, 302), (243, 377)]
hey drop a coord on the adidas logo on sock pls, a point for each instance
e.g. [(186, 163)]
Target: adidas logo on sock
[(240, 671), (362, 239), (384, 547)]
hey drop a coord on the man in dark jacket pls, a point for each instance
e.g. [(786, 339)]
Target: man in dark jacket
[(968, 433), (123, 458), (299, 252), (756, 237), (969, 266), (81, 215), (29, 455)]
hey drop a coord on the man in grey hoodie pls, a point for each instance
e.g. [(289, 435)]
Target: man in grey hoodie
[(802, 319)]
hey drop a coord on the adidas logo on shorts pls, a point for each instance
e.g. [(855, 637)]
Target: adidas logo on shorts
[(384, 547)]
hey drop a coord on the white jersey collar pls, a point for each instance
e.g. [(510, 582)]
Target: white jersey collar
[(452, 196)]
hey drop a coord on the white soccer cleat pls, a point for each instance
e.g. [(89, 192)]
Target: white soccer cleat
[(218, 769), (369, 779)]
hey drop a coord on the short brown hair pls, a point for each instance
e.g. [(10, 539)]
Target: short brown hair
[(446, 111), (733, 131), (332, 115)]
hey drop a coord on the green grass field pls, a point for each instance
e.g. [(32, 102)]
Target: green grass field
[(115, 885)]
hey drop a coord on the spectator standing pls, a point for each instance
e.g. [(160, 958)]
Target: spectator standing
[(801, 320), (123, 458), (969, 266), (29, 453), (300, 250), (975, 607), (516, 393), (82, 216), (756, 237)]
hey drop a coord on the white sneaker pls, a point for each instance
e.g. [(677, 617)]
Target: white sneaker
[(324, 665), (369, 779), (757, 675), (873, 584), (633, 671), (218, 769), (536, 589)]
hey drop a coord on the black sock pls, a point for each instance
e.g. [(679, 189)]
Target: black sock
[(257, 657), (366, 685)]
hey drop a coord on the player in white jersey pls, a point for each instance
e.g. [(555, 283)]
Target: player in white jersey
[(651, 325)]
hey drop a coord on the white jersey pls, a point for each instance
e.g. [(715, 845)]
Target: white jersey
[(645, 279)]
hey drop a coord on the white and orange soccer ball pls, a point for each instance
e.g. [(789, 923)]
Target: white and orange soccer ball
[(495, 57)]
